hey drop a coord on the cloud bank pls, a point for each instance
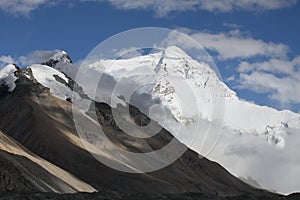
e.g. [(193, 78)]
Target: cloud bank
[(160, 8), (164, 8)]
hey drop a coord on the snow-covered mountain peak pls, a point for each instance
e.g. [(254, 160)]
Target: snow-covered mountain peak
[(58, 58), (178, 81), (175, 78), (165, 72), (59, 84), (37, 78), (181, 62), (175, 52), (166, 76), (175, 60)]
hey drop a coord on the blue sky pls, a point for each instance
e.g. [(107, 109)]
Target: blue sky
[(255, 43)]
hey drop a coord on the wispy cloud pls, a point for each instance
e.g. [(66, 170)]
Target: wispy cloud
[(22, 7), (231, 5), (4, 60), (34, 57), (231, 25), (161, 8)]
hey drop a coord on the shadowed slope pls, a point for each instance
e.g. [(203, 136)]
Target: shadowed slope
[(22, 171), (44, 125)]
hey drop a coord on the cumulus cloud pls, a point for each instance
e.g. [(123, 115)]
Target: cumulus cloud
[(275, 66), (284, 89), (229, 45), (235, 44), (279, 78)]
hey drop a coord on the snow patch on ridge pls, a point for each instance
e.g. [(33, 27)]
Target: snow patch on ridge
[(7, 77), (60, 56), (47, 76)]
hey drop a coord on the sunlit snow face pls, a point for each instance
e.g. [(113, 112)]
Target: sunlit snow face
[(181, 93)]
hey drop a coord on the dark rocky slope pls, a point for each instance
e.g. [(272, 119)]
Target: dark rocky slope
[(44, 125)]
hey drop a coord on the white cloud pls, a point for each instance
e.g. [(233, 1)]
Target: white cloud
[(278, 78), (273, 66), (231, 25), (231, 78), (38, 56), (22, 7), (163, 8), (34, 57), (248, 155), (229, 45), (6, 60), (180, 39), (235, 44), (253, 5), (284, 89)]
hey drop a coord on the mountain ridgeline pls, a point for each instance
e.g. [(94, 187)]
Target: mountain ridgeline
[(40, 150)]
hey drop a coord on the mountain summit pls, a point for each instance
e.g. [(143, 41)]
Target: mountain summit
[(190, 90), (194, 98), (37, 124), (37, 104), (57, 58)]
